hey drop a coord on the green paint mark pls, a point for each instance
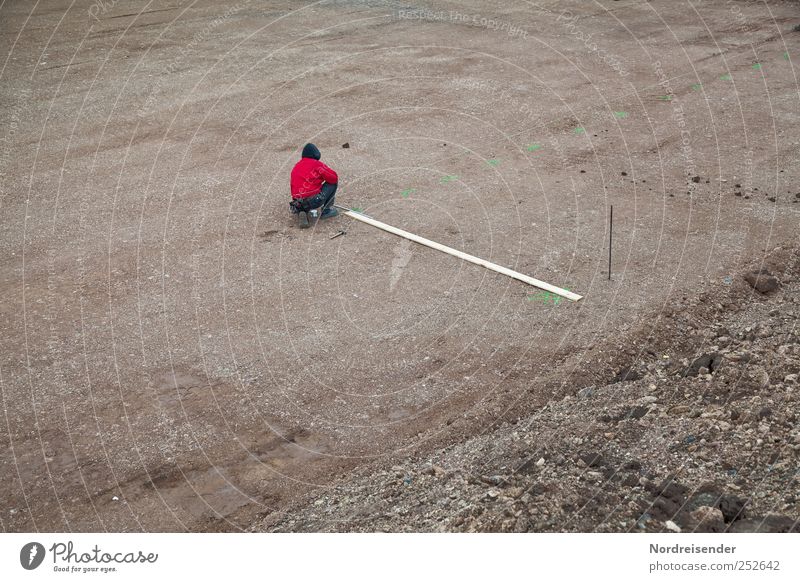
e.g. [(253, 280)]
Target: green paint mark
[(533, 147), (450, 178), (697, 86), (579, 130), (786, 56), (665, 97), (725, 77), (493, 163), (406, 193), (757, 67), (620, 114), (546, 297), (358, 209)]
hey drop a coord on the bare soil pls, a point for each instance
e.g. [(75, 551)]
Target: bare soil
[(177, 355), (697, 435)]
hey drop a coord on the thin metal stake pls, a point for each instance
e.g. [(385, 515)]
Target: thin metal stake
[(610, 238)]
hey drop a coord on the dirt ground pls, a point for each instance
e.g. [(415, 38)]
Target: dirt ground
[(177, 355), (698, 432)]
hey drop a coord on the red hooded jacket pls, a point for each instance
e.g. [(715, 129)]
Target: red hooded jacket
[(309, 174)]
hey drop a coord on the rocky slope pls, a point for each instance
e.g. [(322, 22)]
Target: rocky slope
[(697, 432)]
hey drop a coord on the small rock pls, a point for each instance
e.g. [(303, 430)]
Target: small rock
[(346, 145), (434, 470), (762, 281), (493, 479), (732, 507), (671, 489), (635, 412), (593, 459), (672, 526), (709, 517), (709, 361), (626, 375)]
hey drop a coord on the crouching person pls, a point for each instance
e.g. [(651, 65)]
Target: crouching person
[(313, 186)]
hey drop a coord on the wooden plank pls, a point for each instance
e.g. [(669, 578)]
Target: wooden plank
[(464, 256)]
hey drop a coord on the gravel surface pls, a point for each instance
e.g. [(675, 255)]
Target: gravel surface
[(705, 439)]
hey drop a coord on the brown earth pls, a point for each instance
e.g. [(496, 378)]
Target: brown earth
[(177, 355), (695, 434)]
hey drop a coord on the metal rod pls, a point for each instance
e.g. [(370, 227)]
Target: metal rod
[(610, 238)]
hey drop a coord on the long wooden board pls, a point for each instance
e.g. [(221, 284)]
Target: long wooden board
[(464, 256)]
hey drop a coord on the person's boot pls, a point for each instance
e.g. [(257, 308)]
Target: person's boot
[(329, 213), (302, 218)]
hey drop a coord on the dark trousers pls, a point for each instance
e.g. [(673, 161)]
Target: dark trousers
[(324, 199)]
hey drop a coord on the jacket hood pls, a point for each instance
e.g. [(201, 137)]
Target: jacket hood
[(311, 151)]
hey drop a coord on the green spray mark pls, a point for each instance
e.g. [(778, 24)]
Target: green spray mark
[(725, 77), (546, 297), (533, 147), (664, 97), (493, 163), (620, 114), (450, 178), (406, 193), (697, 86), (579, 130), (786, 56), (358, 209), (757, 67)]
